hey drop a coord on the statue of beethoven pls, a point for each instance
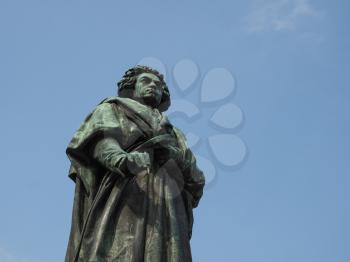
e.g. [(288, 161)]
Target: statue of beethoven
[(136, 181)]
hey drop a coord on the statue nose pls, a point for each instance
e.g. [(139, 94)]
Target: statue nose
[(153, 85)]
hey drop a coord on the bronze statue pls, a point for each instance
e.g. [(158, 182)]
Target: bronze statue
[(136, 181)]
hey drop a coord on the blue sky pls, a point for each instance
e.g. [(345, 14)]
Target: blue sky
[(288, 201)]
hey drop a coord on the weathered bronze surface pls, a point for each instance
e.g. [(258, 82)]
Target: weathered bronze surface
[(136, 180)]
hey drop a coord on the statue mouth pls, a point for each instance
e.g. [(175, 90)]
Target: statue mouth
[(150, 90)]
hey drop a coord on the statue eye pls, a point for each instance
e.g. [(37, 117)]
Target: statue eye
[(145, 80)]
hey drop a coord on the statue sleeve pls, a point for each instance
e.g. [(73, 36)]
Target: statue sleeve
[(103, 122)]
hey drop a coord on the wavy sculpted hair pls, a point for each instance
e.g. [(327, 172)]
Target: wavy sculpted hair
[(126, 85)]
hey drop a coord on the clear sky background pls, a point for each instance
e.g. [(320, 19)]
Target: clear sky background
[(288, 201)]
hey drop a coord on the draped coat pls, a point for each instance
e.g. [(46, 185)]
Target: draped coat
[(120, 216)]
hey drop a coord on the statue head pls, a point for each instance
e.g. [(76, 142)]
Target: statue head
[(145, 85)]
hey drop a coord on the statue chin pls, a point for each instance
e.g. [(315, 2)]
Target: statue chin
[(149, 101)]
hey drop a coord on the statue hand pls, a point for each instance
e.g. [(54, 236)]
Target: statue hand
[(138, 162), (164, 154)]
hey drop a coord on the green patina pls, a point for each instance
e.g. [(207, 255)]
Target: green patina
[(124, 215)]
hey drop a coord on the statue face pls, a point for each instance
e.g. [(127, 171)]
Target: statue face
[(148, 89)]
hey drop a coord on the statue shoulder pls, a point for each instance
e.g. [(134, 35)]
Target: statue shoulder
[(112, 103), (116, 100), (107, 109)]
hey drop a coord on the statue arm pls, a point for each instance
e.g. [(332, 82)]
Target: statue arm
[(109, 154), (193, 176)]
